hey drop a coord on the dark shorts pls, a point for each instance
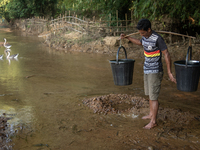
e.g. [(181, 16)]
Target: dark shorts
[(152, 85)]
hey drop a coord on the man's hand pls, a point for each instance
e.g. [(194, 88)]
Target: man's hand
[(122, 36), (168, 63), (171, 77), (133, 40)]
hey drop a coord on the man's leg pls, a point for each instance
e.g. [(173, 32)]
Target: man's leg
[(146, 91), (154, 83), (149, 116), (154, 111)]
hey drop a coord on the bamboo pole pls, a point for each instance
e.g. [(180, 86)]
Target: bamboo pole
[(121, 27), (93, 18), (166, 32), (126, 21), (65, 16), (76, 22), (117, 20), (63, 20), (190, 44), (131, 17), (110, 22), (60, 21), (69, 16), (99, 22), (170, 38)]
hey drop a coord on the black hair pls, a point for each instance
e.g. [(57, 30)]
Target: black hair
[(144, 24)]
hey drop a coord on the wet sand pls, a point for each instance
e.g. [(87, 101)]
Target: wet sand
[(173, 124)]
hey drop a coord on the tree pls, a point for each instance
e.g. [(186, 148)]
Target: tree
[(186, 12), (27, 8)]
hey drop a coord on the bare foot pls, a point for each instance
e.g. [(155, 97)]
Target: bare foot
[(150, 125), (147, 117)]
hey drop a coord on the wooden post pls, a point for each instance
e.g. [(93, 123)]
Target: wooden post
[(190, 44), (74, 18), (69, 16), (183, 38), (121, 27), (87, 26), (52, 22), (60, 20), (110, 23), (93, 18), (63, 20), (100, 22), (117, 21), (132, 17), (76, 22), (170, 39), (65, 16), (126, 21), (93, 29)]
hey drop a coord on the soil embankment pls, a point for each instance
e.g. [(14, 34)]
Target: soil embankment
[(109, 45), (99, 42)]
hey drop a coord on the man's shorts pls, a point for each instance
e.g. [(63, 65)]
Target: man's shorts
[(152, 85)]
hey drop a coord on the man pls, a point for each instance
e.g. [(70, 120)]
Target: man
[(154, 46)]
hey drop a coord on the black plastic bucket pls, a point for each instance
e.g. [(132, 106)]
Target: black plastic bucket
[(187, 73), (122, 69)]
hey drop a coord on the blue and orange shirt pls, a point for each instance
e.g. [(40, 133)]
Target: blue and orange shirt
[(153, 47)]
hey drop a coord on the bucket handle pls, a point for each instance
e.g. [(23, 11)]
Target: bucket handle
[(117, 56), (189, 50)]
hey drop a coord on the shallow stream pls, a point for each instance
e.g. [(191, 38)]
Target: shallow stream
[(42, 94)]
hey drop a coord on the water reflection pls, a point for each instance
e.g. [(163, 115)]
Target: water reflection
[(13, 59), (17, 116)]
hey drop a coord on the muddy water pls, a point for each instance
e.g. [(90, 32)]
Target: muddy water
[(42, 94)]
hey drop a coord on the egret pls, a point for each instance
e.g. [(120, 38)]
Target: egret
[(11, 56), (6, 45)]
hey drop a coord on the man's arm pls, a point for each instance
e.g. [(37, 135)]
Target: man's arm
[(168, 63), (133, 40)]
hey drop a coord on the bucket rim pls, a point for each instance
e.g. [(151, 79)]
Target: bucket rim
[(182, 63), (120, 61)]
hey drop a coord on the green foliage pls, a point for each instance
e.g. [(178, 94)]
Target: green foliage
[(103, 7), (183, 10), (186, 12), (12, 9)]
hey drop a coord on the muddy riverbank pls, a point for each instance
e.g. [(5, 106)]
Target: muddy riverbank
[(5, 133), (73, 41), (69, 41), (173, 124), (69, 101)]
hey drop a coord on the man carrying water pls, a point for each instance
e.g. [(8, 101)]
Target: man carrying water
[(154, 46)]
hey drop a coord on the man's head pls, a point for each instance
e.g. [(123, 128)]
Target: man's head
[(144, 27)]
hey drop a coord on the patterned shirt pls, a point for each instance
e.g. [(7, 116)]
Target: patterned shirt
[(153, 47)]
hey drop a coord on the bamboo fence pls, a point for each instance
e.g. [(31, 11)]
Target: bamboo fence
[(72, 22)]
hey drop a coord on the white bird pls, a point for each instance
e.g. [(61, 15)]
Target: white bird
[(1, 56), (11, 56), (6, 45)]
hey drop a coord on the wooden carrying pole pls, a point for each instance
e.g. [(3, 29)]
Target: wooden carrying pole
[(166, 32)]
